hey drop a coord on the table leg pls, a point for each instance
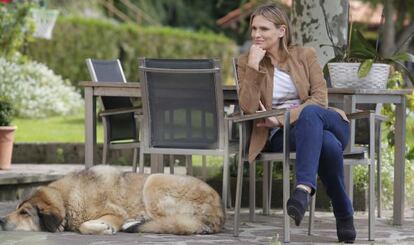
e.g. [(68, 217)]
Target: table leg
[(399, 164), (90, 127)]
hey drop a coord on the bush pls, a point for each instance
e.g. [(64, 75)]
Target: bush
[(387, 178), (36, 91), (15, 27), (6, 112), (75, 39)]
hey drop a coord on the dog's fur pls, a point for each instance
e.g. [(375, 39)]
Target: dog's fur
[(103, 200)]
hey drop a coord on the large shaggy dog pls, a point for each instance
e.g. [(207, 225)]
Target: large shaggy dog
[(103, 200)]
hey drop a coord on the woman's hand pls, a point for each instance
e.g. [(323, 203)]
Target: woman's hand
[(256, 54), (270, 122)]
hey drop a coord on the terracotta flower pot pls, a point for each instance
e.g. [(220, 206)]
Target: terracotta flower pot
[(6, 145)]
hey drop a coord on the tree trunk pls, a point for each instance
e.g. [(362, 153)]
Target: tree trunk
[(317, 22), (388, 43)]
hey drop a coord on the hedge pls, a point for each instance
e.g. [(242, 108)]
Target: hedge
[(75, 39)]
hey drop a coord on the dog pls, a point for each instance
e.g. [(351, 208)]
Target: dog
[(104, 200)]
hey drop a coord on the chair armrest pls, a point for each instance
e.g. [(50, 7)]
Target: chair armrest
[(136, 110), (365, 114), (237, 117)]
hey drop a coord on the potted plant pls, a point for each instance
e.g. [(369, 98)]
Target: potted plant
[(6, 133), (360, 65)]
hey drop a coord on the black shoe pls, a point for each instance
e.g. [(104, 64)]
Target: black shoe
[(297, 204), (345, 229)]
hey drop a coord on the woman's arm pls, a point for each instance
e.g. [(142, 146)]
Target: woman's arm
[(249, 85)]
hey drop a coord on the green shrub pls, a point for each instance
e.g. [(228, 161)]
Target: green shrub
[(387, 177), (15, 27), (6, 112), (75, 39), (36, 91)]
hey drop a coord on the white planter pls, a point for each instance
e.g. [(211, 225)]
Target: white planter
[(344, 75), (44, 22)]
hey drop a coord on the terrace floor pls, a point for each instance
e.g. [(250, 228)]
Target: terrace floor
[(265, 230)]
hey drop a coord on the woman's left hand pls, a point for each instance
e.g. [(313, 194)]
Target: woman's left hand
[(270, 122)]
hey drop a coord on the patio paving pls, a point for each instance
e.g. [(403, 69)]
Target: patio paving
[(265, 230)]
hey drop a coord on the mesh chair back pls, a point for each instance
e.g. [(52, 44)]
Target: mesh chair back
[(122, 126), (181, 98)]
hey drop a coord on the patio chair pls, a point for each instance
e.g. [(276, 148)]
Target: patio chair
[(120, 118), (183, 110), (351, 156)]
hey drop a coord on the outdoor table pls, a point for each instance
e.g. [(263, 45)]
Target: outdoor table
[(349, 98)]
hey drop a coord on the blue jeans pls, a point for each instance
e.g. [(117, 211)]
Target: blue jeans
[(319, 137)]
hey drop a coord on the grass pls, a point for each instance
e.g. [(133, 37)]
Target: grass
[(53, 129)]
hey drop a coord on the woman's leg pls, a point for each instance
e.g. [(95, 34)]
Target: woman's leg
[(331, 173), (309, 137)]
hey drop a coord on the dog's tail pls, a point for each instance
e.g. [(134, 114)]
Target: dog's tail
[(179, 225)]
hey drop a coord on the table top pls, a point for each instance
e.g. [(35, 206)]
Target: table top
[(349, 91)]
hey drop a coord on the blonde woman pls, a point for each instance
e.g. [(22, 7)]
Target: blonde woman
[(277, 74)]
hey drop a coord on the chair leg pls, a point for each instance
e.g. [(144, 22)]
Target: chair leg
[(141, 161), (189, 164), (371, 194), (239, 187), (252, 190), (105, 153), (134, 160), (204, 168), (286, 194), (265, 192), (172, 164), (225, 187), (269, 203), (311, 214), (379, 161)]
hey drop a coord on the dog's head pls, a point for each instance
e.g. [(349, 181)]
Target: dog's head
[(43, 211)]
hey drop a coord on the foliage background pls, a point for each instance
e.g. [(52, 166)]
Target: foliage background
[(76, 39)]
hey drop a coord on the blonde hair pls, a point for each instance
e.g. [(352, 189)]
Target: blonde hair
[(278, 17)]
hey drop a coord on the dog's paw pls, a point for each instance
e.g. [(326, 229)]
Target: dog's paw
[(206, 230), (97, 227), (132, 225)]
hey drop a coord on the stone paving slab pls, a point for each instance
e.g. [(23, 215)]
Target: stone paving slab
[(265, 230)]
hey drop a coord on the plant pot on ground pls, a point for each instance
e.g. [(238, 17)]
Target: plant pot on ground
[(6, 133)]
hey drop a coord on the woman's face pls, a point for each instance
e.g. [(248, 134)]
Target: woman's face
[(265, 34)]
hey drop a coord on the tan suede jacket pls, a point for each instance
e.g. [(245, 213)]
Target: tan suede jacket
[(306, 74)]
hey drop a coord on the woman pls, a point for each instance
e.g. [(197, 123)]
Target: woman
[(277, 74)]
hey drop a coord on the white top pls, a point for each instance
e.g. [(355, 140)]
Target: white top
[(284, 91)]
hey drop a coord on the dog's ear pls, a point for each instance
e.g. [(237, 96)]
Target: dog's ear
[(48, 219)]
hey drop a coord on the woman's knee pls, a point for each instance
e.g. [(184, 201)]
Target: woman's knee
[(310, 110)]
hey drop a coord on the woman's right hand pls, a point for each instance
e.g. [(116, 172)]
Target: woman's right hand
[(256, 54)]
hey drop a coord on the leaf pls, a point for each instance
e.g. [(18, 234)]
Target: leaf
[(402, 57), (404, 68), (364, 68), (360, 44)]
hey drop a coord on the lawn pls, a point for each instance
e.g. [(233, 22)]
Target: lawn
[(53, 129)]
